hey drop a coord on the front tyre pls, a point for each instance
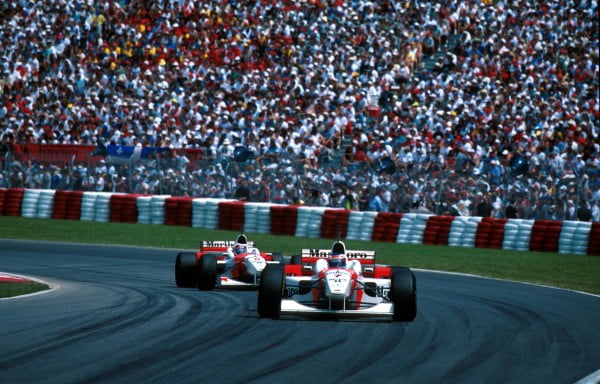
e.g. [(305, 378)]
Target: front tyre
[(270, 291), (403, 293), (185, 268), (207, 272)]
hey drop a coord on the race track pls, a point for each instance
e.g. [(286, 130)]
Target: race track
[(118, 317)]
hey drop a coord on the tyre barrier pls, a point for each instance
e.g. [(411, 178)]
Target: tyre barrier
[(490, 233), (123, 208), (353, 230), (594, 240), (157, 209), (334, 219), (412, 228), (283, 219), (13, 202), (257, 217), (231, 215), (385, 226), (573, 237), (178, 211), (308, 223), (437, 230), (3, 193), (463, 231), (144, 209), (29, 205)]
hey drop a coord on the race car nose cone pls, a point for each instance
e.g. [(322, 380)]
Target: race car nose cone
[(337, 284)]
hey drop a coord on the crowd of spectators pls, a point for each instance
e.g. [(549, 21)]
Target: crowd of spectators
[(508, 113)]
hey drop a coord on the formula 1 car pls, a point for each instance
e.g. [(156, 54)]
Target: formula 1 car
[(227, 264), (339, 283)]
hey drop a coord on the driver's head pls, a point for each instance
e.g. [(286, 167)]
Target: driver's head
[(337, 260), (240, 249)]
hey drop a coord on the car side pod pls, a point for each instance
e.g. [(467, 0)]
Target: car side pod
[(185, 269), (270, 291), (403, 294), (207, 272)]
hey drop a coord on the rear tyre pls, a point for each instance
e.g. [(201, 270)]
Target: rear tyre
[(403, 293), (270, 291), (207, 272), (278, 257), (185, 267)]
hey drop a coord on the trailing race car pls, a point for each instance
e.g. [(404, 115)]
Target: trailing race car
[(235, 264), (339, 283)]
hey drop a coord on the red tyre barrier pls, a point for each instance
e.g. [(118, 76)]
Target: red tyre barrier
[(276, 212), (386, 226), (129, 209), (490, 233), (497, 234), (437, 230), (231, 215), (594, 240), (290, 220), (332, 218), (171, 211), (73, 207), (13, 201), (184, 212), (552, 236), (59, 210), (67, 205), (484, 231), (178, 211), (283, 219), (444, 230), (123, 208), (3, 193), (116, 208), (545, 235)]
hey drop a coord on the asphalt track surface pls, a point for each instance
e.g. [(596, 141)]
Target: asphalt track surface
[(117, 317)]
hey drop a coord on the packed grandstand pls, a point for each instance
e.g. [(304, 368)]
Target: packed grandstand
[(391, 106)]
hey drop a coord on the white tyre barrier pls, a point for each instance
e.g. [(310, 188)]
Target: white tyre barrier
[(46, 204), (574, 237), (102, 207), (264, 218), (29, 203), (250, 217), (198, 212), (143, 207), (88, 206), (354, 225), (157, 209)]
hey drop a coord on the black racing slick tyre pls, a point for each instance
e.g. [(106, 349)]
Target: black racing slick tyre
[(270, 291), (185, 269), (296, 260), (207, 272), (403, 293), (278, 257)]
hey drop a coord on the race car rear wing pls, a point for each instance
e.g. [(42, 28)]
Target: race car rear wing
[(310, 256), (220, 245)]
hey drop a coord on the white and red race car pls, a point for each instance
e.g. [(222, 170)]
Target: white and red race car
[(339, 283), (223, 264)]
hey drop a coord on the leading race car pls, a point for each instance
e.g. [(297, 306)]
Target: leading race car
[(340, 283), (227, 264)]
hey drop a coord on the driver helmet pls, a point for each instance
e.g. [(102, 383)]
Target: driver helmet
[(240, 249), (338, 259)]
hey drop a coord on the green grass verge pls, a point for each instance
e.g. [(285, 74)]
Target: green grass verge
[(579, 272), (10, 289)]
